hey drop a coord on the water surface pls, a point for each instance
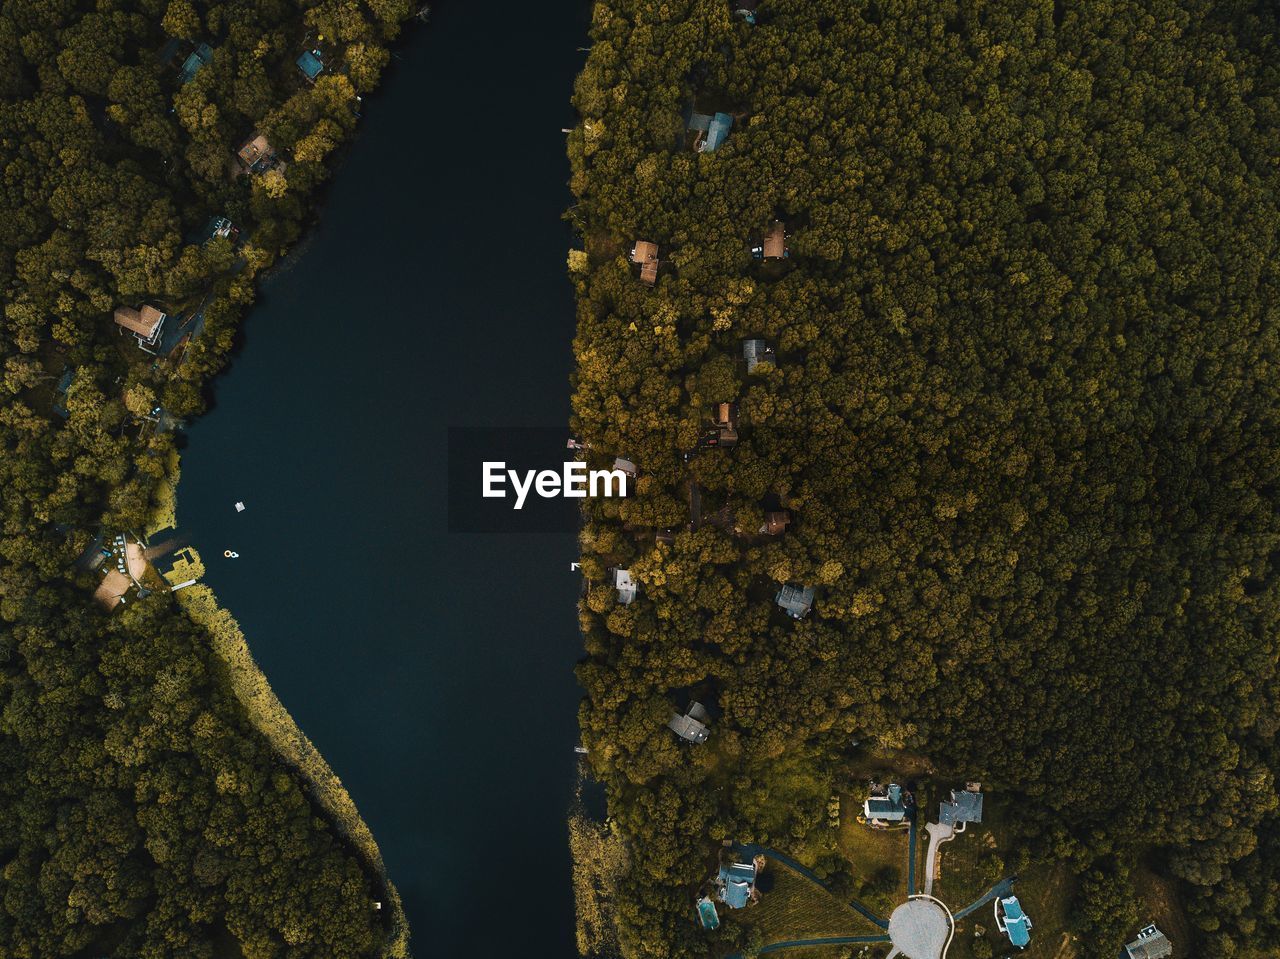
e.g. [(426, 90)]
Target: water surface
[(433, 671)]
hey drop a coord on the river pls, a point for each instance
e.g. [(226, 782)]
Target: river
[(434, 671)]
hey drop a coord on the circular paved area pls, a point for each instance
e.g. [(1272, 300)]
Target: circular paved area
[(919, 929)]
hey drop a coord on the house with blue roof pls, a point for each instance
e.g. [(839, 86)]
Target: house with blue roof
[(310, 63), (1013, 922), (709, 130), (736, 884), (885, 805), (201, 55)]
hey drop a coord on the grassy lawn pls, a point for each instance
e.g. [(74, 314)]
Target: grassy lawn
[(877, 951), (795, 908), (1158, 903), (974, 860), (878, 857)]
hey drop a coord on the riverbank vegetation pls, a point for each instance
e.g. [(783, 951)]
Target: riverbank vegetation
[(149, 807), (1021, 409)]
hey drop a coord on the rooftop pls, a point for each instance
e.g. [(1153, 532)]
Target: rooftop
[(796, 600), (775, 241), (625, 586), (201, 55), (310, 64), (692, 726), (888, 806), (1016, 924), (965, 805), (734, 884), (1150, 944)]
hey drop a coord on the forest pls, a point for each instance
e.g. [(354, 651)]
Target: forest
[(1020, 408), (142, 814)]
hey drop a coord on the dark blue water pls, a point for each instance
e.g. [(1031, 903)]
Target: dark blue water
[(433, 671)]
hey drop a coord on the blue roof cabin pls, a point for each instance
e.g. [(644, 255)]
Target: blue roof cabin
[(887, 806), (796, 600), (201, 55), (1013, 922), (735, 886), (964, 806), (746, 9), (310, 64), (707, 914), (709, 131)]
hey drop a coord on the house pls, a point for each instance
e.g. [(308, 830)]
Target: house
[(220, 226), (736, 884), (310, 63), (774, 244), (145, 324), (626, 466), (745, 9), (756, 352), (201, 55), (726, 423), (60, 392), (1150, 944), (256, 153), (692, 726), (775, 522), (707, 914), (645, 254), (625, 586), (1013, 922), (885, 805), (796, 600), (709, 131), (964, 806)]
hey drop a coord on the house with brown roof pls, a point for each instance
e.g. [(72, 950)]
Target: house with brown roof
[(774, 244), (145, 324), (256, 153), (645, 254), (726, 424)]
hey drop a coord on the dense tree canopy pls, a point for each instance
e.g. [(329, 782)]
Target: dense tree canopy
[(1023, 413), (141, 813)]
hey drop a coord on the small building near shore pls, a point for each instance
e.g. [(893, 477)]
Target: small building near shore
[(645, 255), (625, 585), (1150, 944), (256, 153), (626, 466), (311, 63), (796, 600), (145, 324)]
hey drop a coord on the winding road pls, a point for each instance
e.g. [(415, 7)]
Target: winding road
[(752, 849)]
